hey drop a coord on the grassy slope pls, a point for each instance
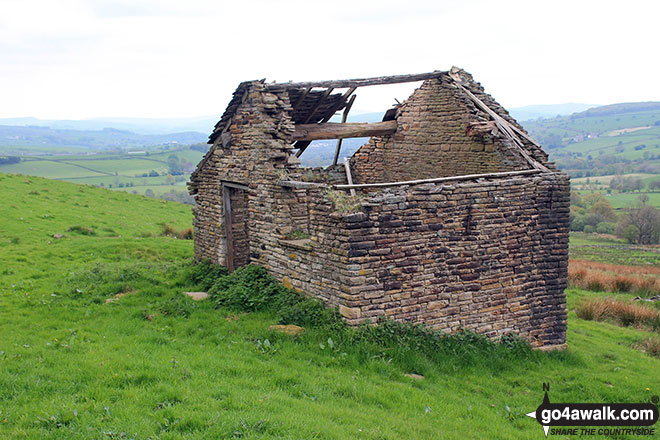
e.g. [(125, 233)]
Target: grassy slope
[(203, 376), (101, 169)]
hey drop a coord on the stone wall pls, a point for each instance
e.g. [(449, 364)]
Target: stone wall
[(431, 140), (259, 155), (489, 256)]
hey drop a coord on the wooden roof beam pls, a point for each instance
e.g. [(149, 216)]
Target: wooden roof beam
[(361, 82), (334, 130)]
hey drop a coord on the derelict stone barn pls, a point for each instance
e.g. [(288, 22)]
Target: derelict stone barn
[(450, 215)]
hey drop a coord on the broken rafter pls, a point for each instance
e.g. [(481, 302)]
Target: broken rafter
[(340, 103), (302, 145), (302, 98), (349, 177), (502, 124), (334, 130), (319, 103), (362, 82), (343, 121)]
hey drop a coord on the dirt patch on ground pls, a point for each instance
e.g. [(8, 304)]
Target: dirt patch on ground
[(627, 130)]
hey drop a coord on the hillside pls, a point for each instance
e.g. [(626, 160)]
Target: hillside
[(600, 143), (152, 363), (611, 137), (529, 112), (158, 172), (17, 140), (200, 124)]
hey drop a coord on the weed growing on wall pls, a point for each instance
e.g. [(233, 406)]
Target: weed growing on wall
[(343, 202)]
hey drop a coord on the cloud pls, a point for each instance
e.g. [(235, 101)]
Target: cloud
[(94, 58)]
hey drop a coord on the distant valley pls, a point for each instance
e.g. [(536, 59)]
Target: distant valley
[(156, 156)]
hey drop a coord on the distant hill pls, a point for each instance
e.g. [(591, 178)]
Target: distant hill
[(106, 138), (546, 110), (612, 139), (201, 124), (626, 107)]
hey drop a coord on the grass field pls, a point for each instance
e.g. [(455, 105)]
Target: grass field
[(625, 200), (153, 364), (117, 171), (609, 249)]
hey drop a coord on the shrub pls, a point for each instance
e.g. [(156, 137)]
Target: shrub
[(202, 275), (595, 276), (595, 283), (248, 288), (606, 228), (623, 284), (169, 231), (578, 224), (176, 304), (251, 288), (588, 229), (82, 230), (619, 312), (650, 346)]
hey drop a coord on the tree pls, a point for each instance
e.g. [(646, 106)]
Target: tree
[(654, 186), (174, 165), (149, 193), (631, 233), (603, 210), (9, 160), (576, 200), (577, 224), (646, 222)]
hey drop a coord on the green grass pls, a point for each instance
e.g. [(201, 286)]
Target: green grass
[(108, 169), (569, 126), (72, 366), (593, 247), (48, 168), (625, 200), (604, 181)]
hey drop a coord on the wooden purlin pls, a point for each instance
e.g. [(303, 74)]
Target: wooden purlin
[(337, 130), (299, 184), (361, 82), (439, 179)]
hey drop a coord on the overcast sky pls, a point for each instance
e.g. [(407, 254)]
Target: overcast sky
[(178, 58)]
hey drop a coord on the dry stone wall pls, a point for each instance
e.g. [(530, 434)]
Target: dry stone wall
[(259, 156), (489, 256), (431, 140)]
